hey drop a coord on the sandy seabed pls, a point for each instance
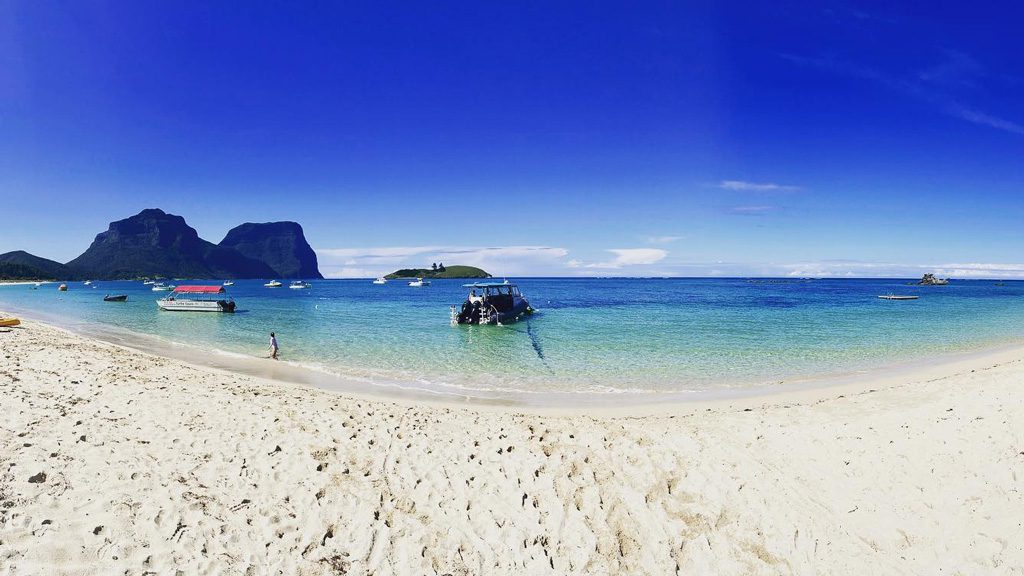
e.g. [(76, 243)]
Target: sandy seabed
[(113, 461)]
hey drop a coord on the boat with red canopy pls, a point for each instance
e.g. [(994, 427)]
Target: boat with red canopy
[(197, 299)]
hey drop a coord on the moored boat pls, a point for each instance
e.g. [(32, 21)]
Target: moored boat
[(63, 287), (299, 285), (419, 283), (115, 298), (273, 284), (897, 297), (197, 299), (381, 280), (87, 282), (496, 303), (228, 283), (161, 287)]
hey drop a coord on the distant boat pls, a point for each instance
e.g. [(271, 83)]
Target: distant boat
[(161, 287), (381, 280), (299, 285), (116, 298), (63, 287), (419, 283), (37, 285), (897, 297), (228, 283), (87, 282), (197, 299), (148, 282), (273, 284)]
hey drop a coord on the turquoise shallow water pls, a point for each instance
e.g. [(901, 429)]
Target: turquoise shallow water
[(590, 335)]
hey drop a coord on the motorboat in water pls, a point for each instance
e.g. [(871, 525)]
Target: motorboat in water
[(419, 283), (228, 283), (897, 297), (299, 285), (381, 280), (273, 284), (63, 287), (161, 287), (491, 303), (148, 282), (116, 298), (87, 282), (197, 299)]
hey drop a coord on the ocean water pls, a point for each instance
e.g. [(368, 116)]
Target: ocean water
[(599, 336)]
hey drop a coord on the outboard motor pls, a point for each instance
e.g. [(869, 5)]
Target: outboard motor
[(466, 313)]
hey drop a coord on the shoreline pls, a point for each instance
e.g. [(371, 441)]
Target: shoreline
[(551, 403), (114, 460)]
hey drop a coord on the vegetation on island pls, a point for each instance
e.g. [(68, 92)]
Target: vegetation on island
[(20, 265), (439, 270)]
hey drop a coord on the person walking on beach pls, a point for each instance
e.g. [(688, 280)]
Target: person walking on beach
[(273, 346)]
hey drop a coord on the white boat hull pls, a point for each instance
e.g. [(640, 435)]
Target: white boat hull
[(190, 306)]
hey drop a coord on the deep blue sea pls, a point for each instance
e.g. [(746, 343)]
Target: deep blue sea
[(589, 335)]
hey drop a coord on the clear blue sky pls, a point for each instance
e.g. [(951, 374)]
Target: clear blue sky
[(633, 138)]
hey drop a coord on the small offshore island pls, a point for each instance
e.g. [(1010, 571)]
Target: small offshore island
[(439, 272)]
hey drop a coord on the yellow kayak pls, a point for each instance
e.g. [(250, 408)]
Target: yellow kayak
[(5, 322)]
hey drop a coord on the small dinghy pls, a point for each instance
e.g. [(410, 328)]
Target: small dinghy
[(116, 298), (897, 297)]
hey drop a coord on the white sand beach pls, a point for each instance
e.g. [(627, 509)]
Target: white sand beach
[(118, 462)]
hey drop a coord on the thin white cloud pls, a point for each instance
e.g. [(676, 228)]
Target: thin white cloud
[(852, 268), (932, 86), (625, 257), (984, 119), (981, 270), (499, 260), (751, 210), (663, 239), (744, 186)]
